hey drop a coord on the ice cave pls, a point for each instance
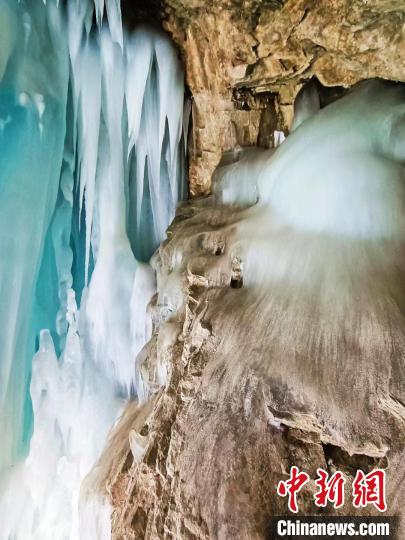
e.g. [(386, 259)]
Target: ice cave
[(202, 293)]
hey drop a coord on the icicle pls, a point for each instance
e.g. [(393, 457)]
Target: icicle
[(139, 53), (170, 99), (99, 9), (107, 310), (31, 159), (90, 108), (74, 227), (114, 20), (306, 104)]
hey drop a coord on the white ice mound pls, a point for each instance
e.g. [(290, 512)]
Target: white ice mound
[(339, 173)]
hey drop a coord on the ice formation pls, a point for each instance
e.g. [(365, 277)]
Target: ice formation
[(92, 159), (339, 173), (92, 151)]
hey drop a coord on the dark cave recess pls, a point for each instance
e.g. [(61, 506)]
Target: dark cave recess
[(135, 12)]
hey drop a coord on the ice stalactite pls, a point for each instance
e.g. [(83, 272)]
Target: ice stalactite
[(91, 168)]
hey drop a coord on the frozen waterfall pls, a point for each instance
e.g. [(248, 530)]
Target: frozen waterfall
[(92, 165)]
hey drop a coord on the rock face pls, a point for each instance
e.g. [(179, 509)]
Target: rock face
[(246, 61), (257, 380)]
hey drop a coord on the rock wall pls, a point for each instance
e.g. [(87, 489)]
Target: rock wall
[(256, 381), (246, 61)]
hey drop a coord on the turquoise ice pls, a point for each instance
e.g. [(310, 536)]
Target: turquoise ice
[(92, 165)]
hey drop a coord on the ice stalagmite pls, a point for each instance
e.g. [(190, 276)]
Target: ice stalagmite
[(92, 160)]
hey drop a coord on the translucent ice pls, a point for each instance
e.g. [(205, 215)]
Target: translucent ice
[(92, 155), (31, 151)]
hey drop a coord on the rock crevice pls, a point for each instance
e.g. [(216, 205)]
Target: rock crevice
[(266, 50)]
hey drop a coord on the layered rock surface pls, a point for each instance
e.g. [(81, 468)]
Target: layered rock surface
[(258, 379), (246, 61)]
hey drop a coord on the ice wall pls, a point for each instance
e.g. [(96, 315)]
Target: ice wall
[(33, 95), (92, 160)]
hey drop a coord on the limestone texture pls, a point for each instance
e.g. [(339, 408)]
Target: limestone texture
[(241, 383), (246, 60)]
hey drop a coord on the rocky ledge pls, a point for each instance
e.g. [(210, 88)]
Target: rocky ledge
[(246, 60), (241, 383)]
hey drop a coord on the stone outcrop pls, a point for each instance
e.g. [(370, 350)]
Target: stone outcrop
[(246, 61), (256, 380)]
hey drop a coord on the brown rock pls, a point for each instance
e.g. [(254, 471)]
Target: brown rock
[(259, 380), (273, 47)]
